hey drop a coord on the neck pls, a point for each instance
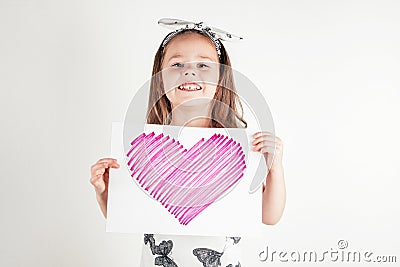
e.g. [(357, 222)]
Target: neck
[(192, 116)]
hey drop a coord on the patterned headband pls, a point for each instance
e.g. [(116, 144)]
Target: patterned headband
[(215, 34)]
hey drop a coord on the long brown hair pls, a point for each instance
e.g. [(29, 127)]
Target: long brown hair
[(225, 109)]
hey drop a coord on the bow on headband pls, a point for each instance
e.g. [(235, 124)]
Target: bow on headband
[(213, 33)]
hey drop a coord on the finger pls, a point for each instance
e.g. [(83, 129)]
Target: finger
[(106, 164), (266, 137), (265, 143), (96, 177), (265, 146), (97, 181), (107, 160), (115, 165), (111, 165), (99, 172), (96, 167), (265, 150), (258, 134), (263, 138)]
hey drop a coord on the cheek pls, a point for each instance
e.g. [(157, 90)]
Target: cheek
[(169, 79), (211, 80), (169, 83), (170, 96), (210, 77), (210, 91)]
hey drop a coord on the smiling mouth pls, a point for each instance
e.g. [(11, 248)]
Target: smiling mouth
[(189, 86)]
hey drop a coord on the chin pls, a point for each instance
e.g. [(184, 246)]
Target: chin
[(194, 102)]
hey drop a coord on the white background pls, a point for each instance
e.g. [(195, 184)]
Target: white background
[(328, 69)]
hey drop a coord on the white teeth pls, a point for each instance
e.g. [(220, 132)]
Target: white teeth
[(189, 87)]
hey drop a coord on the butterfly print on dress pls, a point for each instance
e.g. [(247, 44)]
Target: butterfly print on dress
[(163, 249), (212, 258)]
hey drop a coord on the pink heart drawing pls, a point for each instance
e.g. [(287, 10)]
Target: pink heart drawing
[(186, 181)]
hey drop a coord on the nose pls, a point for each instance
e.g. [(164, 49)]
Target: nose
[(190, 70)]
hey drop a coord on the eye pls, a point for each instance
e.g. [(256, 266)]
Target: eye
[(203, 65), (179, 65)]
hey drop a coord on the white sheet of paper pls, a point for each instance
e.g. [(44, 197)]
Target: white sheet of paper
[(131, 210)]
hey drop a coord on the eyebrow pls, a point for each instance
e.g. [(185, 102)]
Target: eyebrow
[(179, 56), (206, 57), (174, 56)]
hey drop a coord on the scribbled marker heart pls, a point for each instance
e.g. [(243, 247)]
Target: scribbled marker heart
[(186, 181)]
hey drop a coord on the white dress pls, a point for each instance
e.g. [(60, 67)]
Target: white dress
[(184, 250)]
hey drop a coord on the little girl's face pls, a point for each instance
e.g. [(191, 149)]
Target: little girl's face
[(190, 69)]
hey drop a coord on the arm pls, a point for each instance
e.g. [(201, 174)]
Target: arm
[(100, 172), (274, 191)]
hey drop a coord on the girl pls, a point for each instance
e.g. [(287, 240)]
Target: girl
[(180, 96)]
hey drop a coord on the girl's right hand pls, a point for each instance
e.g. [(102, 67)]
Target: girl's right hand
[(100, 174)]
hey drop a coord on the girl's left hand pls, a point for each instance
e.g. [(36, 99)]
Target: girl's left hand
[(269, 145)]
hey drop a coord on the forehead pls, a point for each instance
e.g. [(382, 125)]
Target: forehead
[(191, 46)]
